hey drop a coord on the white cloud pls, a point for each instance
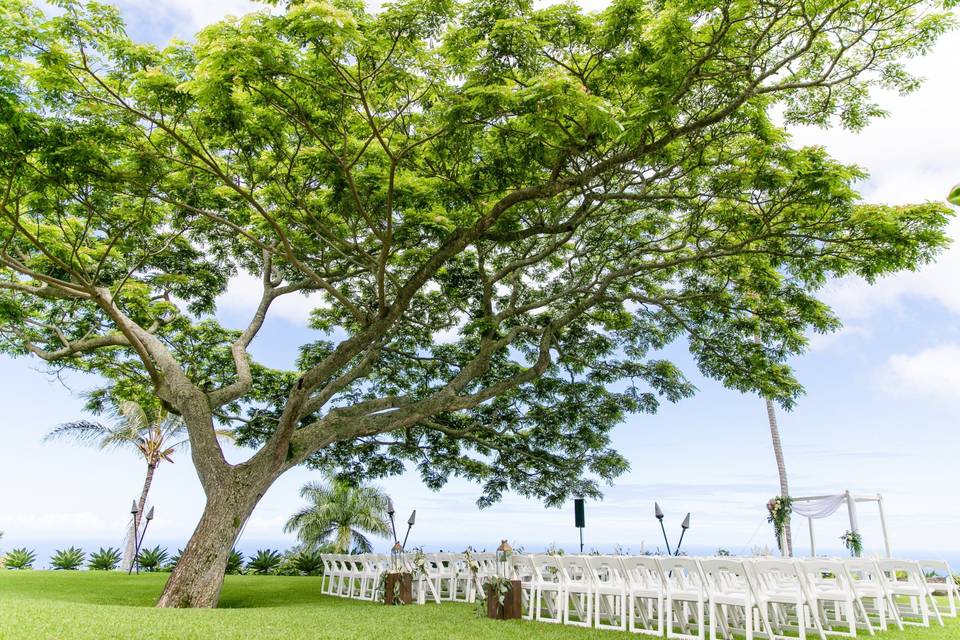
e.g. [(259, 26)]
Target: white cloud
[(912, 156), (821, 341), (934, 371), (243, 295), (854, 298)]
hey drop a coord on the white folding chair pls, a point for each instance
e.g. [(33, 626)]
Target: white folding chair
[(522, 570), (730, 597), (577, 590), (830, 591), (904, 580), (429, 581), (459, 589), (940, 570), (777, 586), (645, 595), (610, 592), (548, 602), (370, 568), (327, 578), (685, 597), (872, 598), (340, 573)]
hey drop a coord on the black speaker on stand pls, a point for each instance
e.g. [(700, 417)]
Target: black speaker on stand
[(579, 518)]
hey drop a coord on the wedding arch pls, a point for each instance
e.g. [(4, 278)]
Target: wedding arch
[(817, 507)]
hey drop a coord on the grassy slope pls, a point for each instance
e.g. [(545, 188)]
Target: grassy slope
[(39, 605)]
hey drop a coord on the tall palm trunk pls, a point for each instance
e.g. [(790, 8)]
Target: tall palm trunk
[(781, 468), (131, 548), (344, 535)]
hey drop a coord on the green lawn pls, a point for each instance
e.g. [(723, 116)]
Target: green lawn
[(38, 605)]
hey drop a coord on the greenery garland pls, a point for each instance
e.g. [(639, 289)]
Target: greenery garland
[(779, 508)]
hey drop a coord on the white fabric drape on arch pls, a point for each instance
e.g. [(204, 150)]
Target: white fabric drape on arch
[(819, 507)]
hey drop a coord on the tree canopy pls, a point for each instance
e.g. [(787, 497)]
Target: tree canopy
[(503, 214)]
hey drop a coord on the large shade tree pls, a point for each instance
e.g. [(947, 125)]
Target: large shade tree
[(501, 214)]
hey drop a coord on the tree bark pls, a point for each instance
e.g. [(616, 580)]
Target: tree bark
[(197, 579), (781, 468), (130, 551)]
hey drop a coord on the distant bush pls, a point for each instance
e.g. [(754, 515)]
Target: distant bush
[(153, 559), (264, 562), (67, 559), (308, 563), (234, 562), (20, 559), (104, 560)]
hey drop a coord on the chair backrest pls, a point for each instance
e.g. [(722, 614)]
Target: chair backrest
[(939, 568), (545, 567), (520, 567), (724, 575), (774, 573), (642, 572), (606, 570), (900, 574), (574, 569), (821, 573), (681, 573)]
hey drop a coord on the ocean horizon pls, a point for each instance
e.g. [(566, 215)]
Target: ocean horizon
[(45, 548)]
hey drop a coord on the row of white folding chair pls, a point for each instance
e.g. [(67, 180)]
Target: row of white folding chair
[(352, 576), (769, 596)]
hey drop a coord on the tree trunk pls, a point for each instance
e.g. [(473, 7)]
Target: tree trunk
[(781, 468), (130, 551), (198, 577)]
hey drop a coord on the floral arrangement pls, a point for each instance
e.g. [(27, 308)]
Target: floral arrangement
[(853, 542), (779, 509)]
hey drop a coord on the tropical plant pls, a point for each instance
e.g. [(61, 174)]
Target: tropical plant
[(234, 562), (21, 558), (340, 513), (308, 562), (67, 559), (174, 559), (104, 559), (152, 559), (264, 562), (503, 214)]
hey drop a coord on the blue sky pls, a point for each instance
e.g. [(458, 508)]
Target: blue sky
[(879, 415)]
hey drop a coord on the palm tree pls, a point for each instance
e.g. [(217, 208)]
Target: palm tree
[(155, 439), (781, 468), (341, 514)]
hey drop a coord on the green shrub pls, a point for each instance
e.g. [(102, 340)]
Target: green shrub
[(308, 563), (20, 559), (105, 559), (152, 559), (234, 562), (266, 561), (67, 559)]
